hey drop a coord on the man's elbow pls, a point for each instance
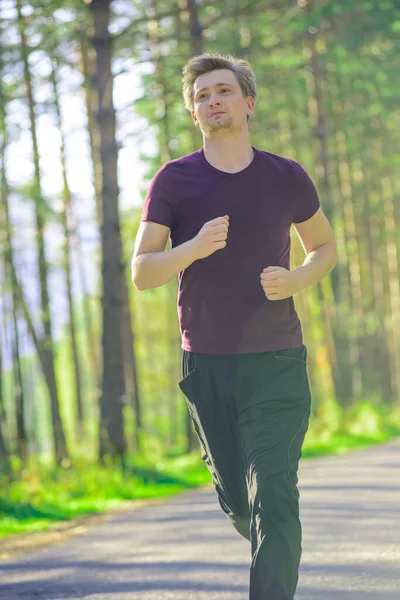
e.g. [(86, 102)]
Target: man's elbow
[(137, 285), (138, 282), (334, 254), (135, 275)]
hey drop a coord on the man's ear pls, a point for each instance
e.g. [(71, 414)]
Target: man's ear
[(195, 121), (250, 105)]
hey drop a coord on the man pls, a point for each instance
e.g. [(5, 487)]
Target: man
[(228, 209)]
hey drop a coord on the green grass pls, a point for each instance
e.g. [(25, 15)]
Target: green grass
[(341, 444), (43, 497), (337, 431)]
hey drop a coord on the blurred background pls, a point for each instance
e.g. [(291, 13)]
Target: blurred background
[(90, 108)]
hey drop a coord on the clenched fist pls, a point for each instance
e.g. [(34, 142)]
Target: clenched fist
[(278, 283), (211, 237)]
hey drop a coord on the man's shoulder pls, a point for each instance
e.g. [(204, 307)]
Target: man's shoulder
[(173, 172), (283, 163), (182, 163)]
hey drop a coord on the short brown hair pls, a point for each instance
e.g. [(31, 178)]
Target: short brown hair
[(204, 63)]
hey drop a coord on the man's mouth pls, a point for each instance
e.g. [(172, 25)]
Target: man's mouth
[(217, 113)]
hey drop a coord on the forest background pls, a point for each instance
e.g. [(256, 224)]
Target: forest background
[(90, 108)]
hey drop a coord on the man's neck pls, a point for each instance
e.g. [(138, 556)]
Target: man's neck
[(227, 154)]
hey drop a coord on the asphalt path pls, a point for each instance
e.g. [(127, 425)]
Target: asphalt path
[(184, 548)]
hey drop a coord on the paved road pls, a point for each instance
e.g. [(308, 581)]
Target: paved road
[(185, 548)]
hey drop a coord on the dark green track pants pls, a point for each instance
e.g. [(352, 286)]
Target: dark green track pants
[(251, 414)]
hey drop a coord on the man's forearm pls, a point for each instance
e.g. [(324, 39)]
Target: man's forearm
[(154, 269), (317, 264)]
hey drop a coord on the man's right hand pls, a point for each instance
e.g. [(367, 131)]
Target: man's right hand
[(211, 237)]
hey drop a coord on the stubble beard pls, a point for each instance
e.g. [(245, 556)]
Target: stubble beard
[(220, 125)]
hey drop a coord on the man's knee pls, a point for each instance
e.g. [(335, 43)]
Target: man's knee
[(241, 525)]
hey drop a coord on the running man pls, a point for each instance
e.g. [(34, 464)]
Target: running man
[(227, 210)]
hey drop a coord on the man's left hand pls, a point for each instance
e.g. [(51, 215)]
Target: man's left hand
[(279, 283)]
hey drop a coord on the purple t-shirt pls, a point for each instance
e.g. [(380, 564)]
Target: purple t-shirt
[(222, 306)]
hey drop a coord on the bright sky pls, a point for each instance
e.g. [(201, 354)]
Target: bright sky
[(130, 134), (134, 136), (133, 132)]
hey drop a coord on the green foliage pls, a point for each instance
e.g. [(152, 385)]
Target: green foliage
[(361, 424), (327, 74), (46, 495)]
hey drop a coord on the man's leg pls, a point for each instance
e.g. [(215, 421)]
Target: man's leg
[(274, 407), (208, 386)]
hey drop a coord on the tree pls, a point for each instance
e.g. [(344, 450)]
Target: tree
[(112, 439)]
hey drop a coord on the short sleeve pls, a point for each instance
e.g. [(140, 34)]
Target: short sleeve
[(304, 194), (157, 206)]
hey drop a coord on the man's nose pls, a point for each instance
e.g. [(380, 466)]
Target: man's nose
[(214, 100)]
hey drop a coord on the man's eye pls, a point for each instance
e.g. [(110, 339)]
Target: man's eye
[(224, 89), (202, 96)]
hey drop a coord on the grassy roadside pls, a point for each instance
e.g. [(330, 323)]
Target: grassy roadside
[(47, 498), (44, 498)]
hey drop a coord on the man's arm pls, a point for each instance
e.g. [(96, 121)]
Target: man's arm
[(319, 243), (152, 267)]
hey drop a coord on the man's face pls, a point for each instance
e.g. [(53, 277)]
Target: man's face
[(219, 105)]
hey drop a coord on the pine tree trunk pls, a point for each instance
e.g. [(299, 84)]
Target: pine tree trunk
[(88, 68), (60, 448), (22, 449), (5, 465), (88, 60), (196, 47), (393, 262), (67, 216), (112, 438), (22, 442), (130, 367), (5, 224), (196, 29)]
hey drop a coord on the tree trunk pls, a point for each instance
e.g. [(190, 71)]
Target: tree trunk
[(67, 216), (22, 442), (9, 263), (196, 29), (393, 324), (88, 68), (60, 448), (112, 438), (196, 47), (88, 59), (5, 465), (130, 366)]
